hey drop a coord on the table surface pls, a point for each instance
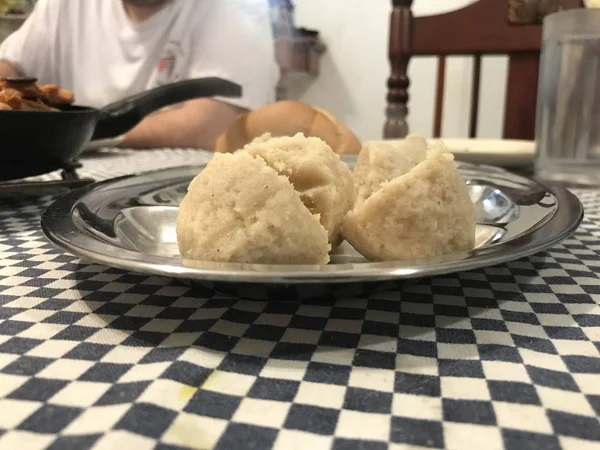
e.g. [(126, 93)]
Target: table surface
[(94, 357)]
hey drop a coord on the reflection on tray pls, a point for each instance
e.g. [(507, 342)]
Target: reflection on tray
[(166, 196)]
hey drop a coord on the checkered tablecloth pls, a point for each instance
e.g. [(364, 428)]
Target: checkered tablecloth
[(93, 357)]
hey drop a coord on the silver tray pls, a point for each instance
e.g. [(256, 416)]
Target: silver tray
[(129, 223)]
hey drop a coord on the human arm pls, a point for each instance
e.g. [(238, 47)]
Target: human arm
[(8, 70), (26, 52), (195, 124)]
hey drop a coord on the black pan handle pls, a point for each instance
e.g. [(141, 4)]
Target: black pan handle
[(120, 117)]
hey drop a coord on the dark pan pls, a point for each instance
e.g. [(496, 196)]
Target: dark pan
[(38, 142)]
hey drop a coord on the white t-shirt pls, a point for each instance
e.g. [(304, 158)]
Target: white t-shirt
[(92, 48)]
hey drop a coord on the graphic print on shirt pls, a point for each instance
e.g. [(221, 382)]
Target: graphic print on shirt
[(169, 66)]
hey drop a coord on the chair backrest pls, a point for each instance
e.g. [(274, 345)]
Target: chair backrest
[(482, 28)]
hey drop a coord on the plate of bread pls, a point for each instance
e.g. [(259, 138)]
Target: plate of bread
[(309, 204)]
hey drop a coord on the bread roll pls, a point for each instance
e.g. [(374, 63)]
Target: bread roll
[(238, 209), (287, 118), (423, 213), (348, 143), (325, 184)]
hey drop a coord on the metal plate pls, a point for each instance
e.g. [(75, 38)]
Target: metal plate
[(129, 223)]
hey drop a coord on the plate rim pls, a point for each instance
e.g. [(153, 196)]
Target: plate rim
[(524, 142), (519, 147), (58, 226)]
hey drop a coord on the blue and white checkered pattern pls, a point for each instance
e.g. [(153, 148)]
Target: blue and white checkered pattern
[(94, 357)]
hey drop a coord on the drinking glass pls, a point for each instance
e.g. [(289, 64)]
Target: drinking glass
[(568, 105)]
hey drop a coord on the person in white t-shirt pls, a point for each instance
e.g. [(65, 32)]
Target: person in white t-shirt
[(106, 50)]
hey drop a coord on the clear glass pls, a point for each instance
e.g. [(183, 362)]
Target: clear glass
[(568, 108)]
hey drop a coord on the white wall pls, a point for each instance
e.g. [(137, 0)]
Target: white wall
[(352, 83)]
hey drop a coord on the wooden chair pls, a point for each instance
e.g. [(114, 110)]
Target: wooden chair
[(481, 28)]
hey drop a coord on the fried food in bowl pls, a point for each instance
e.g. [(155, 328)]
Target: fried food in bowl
[(24, 94)]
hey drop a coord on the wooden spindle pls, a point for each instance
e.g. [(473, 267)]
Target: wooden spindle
[(475, 89), (521, 95), (439, 97), (400, 46)]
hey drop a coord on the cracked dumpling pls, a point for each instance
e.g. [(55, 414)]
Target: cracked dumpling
[(325, 184), (238, 209), (381, 161), (423, 213)]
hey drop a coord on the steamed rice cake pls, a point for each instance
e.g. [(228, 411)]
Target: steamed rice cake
[(238, 209), (324, 183), (423, 213), (382, 161)]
